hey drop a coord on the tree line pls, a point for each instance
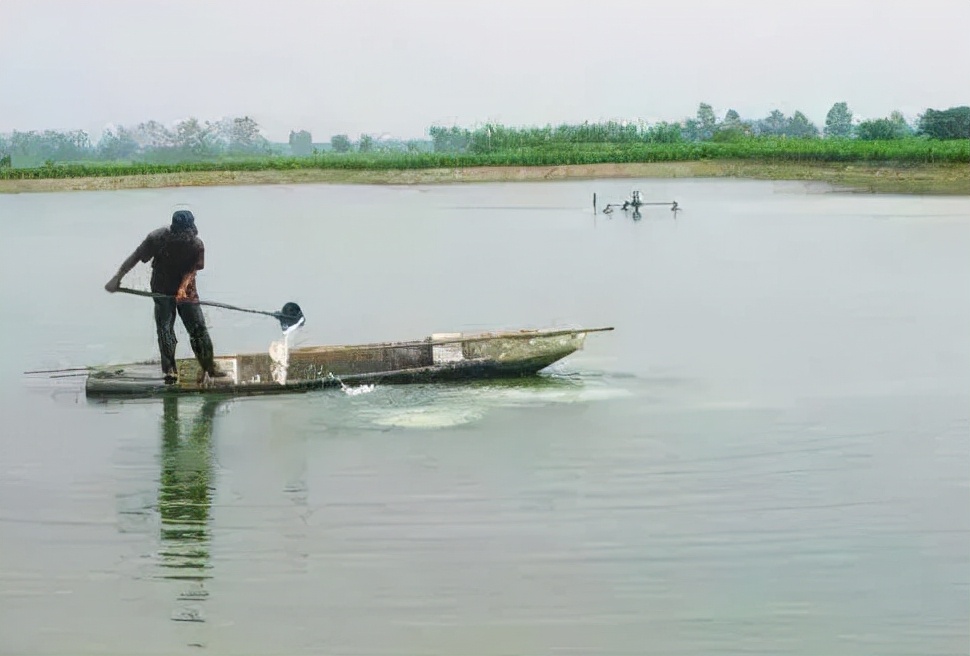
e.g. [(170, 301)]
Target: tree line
[(151, 141), (705, 126), (191, 140)]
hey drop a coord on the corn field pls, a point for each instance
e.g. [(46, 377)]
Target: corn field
[(900, 151)]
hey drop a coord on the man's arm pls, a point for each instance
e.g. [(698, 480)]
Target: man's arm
[(126, 266), (143, 253)]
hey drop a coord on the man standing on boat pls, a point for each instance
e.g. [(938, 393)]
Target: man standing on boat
[(177, 254)]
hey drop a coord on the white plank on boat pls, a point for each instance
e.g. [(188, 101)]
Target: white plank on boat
[(443, 353)]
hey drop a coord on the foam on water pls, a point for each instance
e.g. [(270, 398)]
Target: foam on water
[(360, 389), (527, 397), (447, 407), (430, 417)]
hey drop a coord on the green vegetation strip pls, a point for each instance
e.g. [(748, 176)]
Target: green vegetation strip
[(898, 151)]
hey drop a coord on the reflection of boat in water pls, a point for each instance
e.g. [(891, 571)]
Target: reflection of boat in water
[(441, 357), (185, 501)]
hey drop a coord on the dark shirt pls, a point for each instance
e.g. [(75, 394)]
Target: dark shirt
[(174, 255)]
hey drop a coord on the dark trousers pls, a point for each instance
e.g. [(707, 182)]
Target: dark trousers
[(194, 322)]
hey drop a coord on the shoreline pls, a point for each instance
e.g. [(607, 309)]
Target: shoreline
[(860, 177)]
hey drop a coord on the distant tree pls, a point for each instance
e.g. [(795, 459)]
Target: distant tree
[(245, 137), (194, 140), (484, 139), (79, 142), (691, 129), (22, 151), (153, 135), (340, 143), (838, 122), (34, 148), (117, 144), (301, 143), (880, 129), (706, 122), (732, 128), (664, 133), (725, 135), (731, 119), (365, 144), (953, 123), (457, 140), (903, 128), (800, 127), (774, 125), (20, 142)]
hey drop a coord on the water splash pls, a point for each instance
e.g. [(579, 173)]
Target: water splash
[(360, 389), (353, 391), (279, 353)]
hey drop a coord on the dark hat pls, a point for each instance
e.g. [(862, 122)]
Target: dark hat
[(183, 220)]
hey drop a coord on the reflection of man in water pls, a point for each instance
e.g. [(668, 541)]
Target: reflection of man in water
[(177, 254), (185, 499)]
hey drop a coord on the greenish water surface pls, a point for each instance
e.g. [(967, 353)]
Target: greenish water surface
[(768, 455)]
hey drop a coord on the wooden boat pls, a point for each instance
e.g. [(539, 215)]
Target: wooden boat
[(440, 357)]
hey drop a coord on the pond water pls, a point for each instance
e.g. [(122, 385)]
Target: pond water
[(768, 455)]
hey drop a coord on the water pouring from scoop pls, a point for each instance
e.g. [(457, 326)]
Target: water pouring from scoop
[(291, 320)]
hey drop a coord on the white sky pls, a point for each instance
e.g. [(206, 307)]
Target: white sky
[(398, 66)]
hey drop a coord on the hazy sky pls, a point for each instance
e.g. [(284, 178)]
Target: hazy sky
[(398, 66)]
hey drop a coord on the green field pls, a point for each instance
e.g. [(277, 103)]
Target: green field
[(900, 151)]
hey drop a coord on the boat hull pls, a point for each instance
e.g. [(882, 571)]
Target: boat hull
[(439, 358)]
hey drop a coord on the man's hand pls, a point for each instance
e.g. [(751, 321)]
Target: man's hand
[(113, 285), (182, 295)]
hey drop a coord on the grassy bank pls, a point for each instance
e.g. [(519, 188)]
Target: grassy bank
[(904, 165), (864, 177)]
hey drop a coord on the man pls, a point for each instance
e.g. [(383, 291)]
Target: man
[(177, 254)]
